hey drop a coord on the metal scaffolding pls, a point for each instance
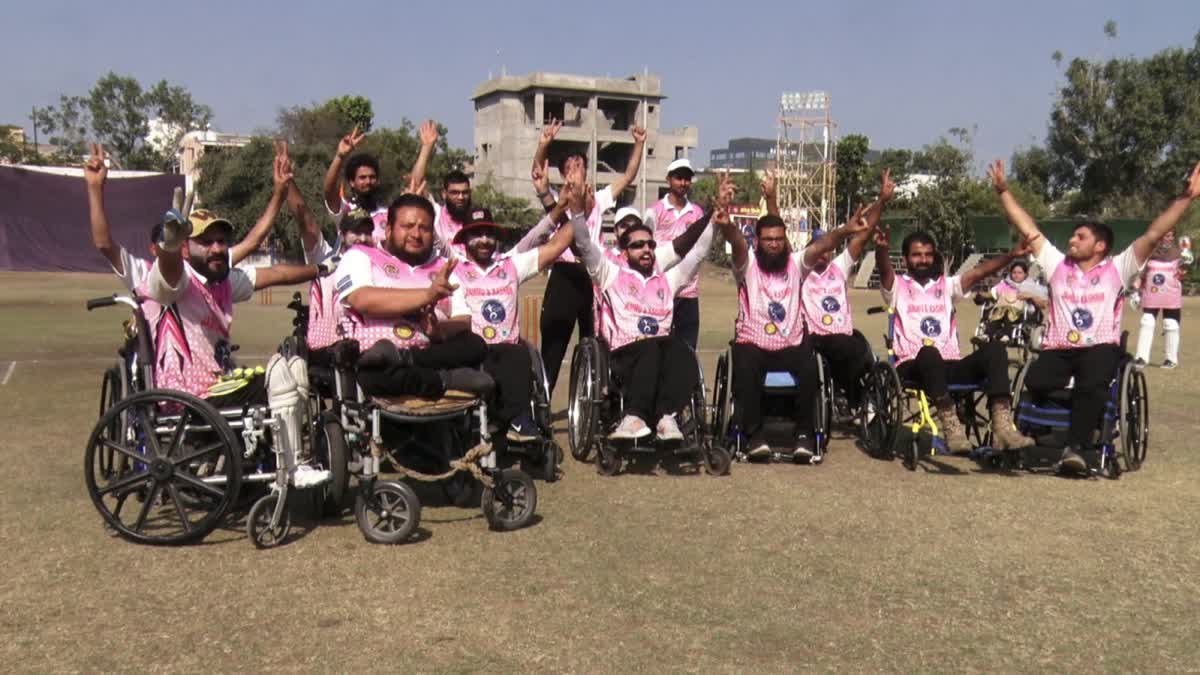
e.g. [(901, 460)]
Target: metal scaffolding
[(806, 163)]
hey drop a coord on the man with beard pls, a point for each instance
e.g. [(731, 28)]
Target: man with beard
[(769, 331), (669, 217), (361, 173), (132, 269), (389, 293), (1082, 338), (488, 290), (637, 301), (568, 299), (925, 336)]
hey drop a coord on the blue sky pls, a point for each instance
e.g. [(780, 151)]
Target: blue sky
[(901, 73)]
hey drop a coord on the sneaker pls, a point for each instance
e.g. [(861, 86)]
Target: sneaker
[(667, 429), (631, 428), (522, 430), (759, 450), (804, 449), (307, 476), (1071, 462), (1168, 365)]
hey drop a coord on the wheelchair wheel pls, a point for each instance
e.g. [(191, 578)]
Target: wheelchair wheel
[(717, 460), (608, 460), (881, 416), (551, 458), (387, 512), (179, 469), (1135, 417), (112, 390), (722, 405), (823, 415), (581, 406), (331, 453), (258, 523), (511, 502), (541, 391)]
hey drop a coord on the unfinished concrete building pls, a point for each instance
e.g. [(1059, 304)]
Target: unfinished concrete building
[(597, 115)]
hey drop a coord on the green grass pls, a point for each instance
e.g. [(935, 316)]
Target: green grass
[(855, 565)]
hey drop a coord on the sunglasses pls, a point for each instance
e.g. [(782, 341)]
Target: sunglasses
[(640, 244)]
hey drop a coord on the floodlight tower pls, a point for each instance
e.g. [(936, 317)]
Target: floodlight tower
[(805, 156)]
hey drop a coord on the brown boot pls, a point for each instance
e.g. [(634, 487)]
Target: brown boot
[(1004, 432), (951, 428)]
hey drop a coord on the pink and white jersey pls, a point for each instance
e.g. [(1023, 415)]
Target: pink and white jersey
[(190, 324), (668, 223), (634, 307), (1161, 287), (826, 304), (369, 267), (1085, 307), (490, 294), (770, 313), (378, 216), (1005, 292), (924, 317), (324, 312), (445, 227)]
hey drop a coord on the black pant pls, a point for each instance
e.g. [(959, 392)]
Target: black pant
[(929, 371), (392, 377), (511, 366), (568, 301), (1093, 369), (849, 357), (658, 376), (686, 320), (253, 393), (1176, 313), (751, 363)]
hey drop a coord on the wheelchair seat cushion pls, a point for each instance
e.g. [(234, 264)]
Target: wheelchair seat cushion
[(451, 402)]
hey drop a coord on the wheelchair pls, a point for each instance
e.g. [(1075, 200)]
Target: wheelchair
[(431, 435), (1020, 339), (595, 407), (832, 406), (892, 406), (166, 467), (1124, 432)]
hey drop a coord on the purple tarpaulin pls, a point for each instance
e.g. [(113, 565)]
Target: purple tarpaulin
[(44, 218)]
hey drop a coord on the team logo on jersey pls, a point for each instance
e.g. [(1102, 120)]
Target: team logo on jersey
[(776, 311), (493, 311), (771, 328), (502, 274), (391, 270), (1095, 281), (830, 304), (1159, 279), (1154, 289), (489, 332), (403, 331), (662, 295), (931, 327), (1073, 337), (827, 320), (1082, 318), (937, 293), (648, 325)]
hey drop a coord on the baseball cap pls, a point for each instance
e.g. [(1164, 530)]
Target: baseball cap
[(680, 166), (479, 218), (203, 220), (353, 219), (626, 211)]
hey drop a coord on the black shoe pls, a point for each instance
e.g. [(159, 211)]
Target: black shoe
[(468, 380), (1072, 462)]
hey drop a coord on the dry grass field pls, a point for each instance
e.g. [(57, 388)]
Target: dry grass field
[(856, 565)]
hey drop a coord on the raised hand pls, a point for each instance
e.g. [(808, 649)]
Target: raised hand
[(415, 187), (440, 286), (995, 172), (887, 188), (282, 171), (639, 134), (95, 171), (883, 236), (857, 223), (550, 131), (1024, 247), (428, 133), (541, 177), (350, 141), (725, 191), (769, 182), (1193, 183)]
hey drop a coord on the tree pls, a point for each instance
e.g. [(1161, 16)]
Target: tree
[(852, 172), (68, 125), (507, 210), (353, 111), (941, 207), (1033, 167)]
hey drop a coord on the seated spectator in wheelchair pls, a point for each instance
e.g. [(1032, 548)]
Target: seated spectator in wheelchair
[(1082, 339), (826, 303), (390, 294), (194, 289), (1010, 298), (657, 370), (132, 269), (925, 336), (488, 285)]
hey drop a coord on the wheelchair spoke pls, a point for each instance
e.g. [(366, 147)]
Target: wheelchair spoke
[(180, 430), (199, 484), (123, 450), (145, 417), (146, 506), (193, 456), (129, 481), (183, 519)]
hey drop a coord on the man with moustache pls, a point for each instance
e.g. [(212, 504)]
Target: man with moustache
[(669, 217)]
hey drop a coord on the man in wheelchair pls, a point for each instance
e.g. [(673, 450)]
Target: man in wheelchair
[(1082, 339), (389, 293), (1012, 302), (657, 370), (925, 336)]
